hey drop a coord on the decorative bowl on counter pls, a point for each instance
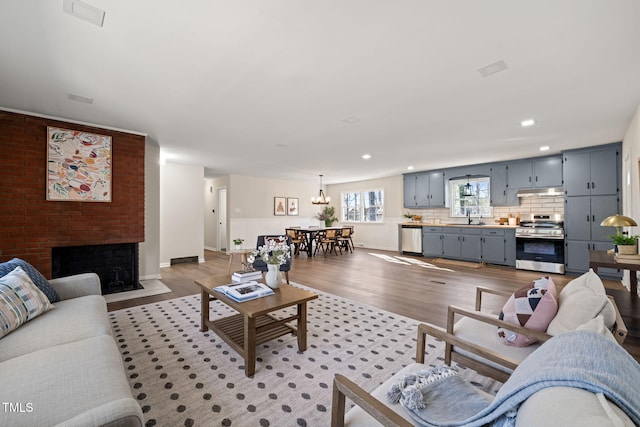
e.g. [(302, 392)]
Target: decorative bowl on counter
[(417, 218)]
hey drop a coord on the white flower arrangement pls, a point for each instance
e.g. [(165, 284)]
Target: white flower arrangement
[(274, 251)]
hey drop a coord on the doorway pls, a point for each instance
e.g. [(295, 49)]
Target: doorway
[(222, 219)]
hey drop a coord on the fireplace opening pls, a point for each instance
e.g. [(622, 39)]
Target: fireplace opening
[(115, 264)]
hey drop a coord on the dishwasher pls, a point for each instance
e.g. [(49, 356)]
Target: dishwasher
[(412, 239)]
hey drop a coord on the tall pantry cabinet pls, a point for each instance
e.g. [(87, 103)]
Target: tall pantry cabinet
[(592, 192)]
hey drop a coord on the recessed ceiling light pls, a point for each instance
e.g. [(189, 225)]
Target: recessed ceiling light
[(84, 11), (545, 148), (79, 98), (351, 120), (493, 68), (366, 156), (528, 122), (410, 168)]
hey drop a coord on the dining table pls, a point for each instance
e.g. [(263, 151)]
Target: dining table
[(309, 235)]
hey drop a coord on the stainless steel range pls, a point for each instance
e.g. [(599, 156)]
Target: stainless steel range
[(540, 243)]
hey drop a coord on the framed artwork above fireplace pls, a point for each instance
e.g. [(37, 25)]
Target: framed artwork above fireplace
[(78, 166)]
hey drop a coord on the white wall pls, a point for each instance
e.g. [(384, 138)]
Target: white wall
[(149, 250), (181, 212), (250, 206), (631, 175), (383, 236)]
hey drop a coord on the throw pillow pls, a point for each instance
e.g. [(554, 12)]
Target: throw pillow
[(20, 301), (37, 278), (581, 300), (532, 306)]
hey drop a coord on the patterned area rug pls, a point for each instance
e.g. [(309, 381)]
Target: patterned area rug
[(183, 377)]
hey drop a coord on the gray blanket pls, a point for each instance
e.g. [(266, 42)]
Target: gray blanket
[(581, 359)]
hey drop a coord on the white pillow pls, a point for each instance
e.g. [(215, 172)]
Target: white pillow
[(580, 301), (597, 325)]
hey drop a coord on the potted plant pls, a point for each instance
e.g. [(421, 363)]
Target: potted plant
[(238, 242), (326, 215), (625, 244)]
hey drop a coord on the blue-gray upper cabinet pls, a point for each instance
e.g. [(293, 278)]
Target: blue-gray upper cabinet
[(519, 174), (547, 172), (499, 184), (424, 190), (591, 172), (535, 173)]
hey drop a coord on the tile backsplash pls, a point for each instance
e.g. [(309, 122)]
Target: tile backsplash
[(528, 205)]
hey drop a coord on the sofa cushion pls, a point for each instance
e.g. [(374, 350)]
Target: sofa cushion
[(70, 320), (567, 407), (20, 301), (581, 300), (81, 383), (37, 278), (532, 306)]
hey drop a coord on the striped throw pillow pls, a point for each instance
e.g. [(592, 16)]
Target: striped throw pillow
[(20, 301)]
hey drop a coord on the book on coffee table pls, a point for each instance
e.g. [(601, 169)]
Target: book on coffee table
[(245, 276), (245, 291)]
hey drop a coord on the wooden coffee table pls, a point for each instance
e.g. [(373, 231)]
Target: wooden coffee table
[(253, 325)]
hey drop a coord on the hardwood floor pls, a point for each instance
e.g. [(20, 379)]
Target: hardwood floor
[(380, 279)]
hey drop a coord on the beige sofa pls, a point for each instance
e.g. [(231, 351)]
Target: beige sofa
[(63, 367)]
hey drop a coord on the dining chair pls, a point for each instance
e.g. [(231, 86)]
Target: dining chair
[(298, 241), (328, 241), (344, 239)]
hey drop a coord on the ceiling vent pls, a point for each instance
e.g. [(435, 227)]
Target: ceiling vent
[(494, 68), (79, 98), (84, 11)]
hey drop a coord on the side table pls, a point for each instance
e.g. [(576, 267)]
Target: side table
[(628, 302)]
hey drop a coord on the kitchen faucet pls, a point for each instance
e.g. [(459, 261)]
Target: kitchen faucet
[(468, 216)]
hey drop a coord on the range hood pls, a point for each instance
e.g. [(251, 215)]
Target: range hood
[(540, 192)]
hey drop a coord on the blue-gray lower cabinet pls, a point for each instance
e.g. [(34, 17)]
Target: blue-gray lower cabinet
[(451, 242), (471, 245), (431, 241), (475, 244)]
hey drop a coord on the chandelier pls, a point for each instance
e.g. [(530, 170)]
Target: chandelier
[(321, 199)]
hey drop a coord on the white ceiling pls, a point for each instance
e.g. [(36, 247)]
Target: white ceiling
[(263, 87)]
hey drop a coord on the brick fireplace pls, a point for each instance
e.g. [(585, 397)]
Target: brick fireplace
[(31, 227)]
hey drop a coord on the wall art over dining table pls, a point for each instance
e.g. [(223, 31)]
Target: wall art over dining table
[(78, 166)]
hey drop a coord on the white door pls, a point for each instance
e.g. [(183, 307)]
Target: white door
[(222, 219)]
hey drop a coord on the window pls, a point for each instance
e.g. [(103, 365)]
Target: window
[(475, 205), (363, 206)]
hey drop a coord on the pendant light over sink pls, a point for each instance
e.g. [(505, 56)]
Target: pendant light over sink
[(467, 189), (321, 199)]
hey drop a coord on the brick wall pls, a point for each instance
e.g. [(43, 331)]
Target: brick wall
[(30, 225)]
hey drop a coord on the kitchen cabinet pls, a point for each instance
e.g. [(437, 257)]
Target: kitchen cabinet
[(547, 172), (592, 172), (519, 174), (475, 244), (498, 185), (431, 242), (583, 232), (451, 242), (535, 173), (471, 244), (493, 246), (591, 183), (424, 190)]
